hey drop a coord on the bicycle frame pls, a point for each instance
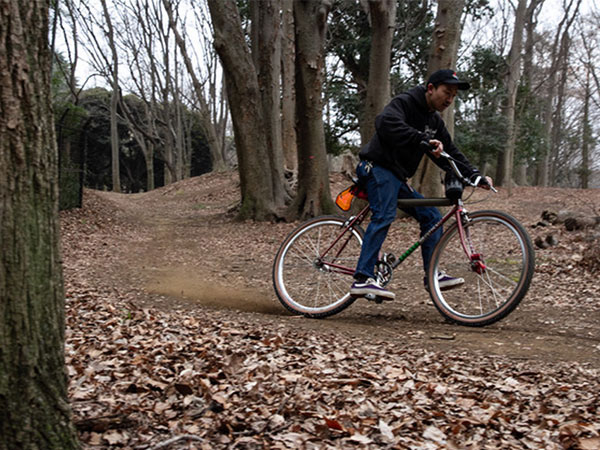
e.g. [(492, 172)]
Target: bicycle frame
[(456, 211)]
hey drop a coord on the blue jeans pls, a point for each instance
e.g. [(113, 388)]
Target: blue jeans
[(384, 188)]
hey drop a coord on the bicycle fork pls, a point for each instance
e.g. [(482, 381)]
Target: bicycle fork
[(476, 259)]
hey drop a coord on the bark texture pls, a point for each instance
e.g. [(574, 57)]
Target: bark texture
[(504, 174), (313, 196), (382, 17), (246, 111), (268, 67), (34, 412), (288, 98)]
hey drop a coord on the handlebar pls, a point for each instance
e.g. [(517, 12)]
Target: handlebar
[(454, 167)]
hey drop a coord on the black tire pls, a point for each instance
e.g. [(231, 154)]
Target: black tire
[(304, 282), (494, 290)]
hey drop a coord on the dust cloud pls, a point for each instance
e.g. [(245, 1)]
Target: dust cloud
[(190, 286)]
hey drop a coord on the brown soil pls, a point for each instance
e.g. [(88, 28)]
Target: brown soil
[(180, 246)]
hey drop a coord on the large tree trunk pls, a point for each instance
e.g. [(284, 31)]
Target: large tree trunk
[(268, 67), (246, 111), (504, 173), (382, 15), (443, 53), (34, 409), (313, 196), (288, 98)]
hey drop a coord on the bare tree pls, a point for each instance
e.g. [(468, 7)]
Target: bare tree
[(139, 36), (258, 201), (513, 74), (266, 52), (586, 131), (288, 98), (209, 124), (527, 80), (588, 58), (113, 68), (570, 12), (382, 18), (67, 65), (34, 409), (313, 196), (557, 134)]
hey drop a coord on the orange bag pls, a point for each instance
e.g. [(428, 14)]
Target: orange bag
[(344, 198)]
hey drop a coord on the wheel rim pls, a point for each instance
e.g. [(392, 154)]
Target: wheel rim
[(310, 283)]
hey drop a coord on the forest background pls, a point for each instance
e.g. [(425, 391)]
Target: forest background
[(146, 92)]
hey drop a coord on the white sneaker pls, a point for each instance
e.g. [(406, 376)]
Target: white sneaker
[(370, 286)]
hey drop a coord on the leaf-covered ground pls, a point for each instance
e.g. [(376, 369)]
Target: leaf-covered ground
[(175, 338)]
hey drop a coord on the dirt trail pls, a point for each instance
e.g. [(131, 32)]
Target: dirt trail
[(186, 250)]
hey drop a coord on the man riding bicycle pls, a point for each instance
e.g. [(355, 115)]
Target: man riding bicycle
[(409, 127)]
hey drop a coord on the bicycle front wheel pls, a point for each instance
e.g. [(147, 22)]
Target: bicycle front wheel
[(313, 269), (496, 277)]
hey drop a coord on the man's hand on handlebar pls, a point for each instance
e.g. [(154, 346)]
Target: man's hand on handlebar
[(486, 183), (483, 182), (436, 148), (433, 146)]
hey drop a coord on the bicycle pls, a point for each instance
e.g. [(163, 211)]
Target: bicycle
[(489, 249)]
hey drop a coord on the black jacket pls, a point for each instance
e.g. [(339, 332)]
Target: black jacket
[(402, 125)]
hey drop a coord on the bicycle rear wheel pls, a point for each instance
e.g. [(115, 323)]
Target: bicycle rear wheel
[(309, 281), (497, 277)]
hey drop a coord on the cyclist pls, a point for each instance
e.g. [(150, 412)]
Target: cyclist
[(409, 127)]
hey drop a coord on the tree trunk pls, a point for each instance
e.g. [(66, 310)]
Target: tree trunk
[(505, 163), (114, 102), (443, 54), (557, 135), (382, 15), (268, 47), (288, 99), (586, 138), (533, 9), (149, 158), (34, 409), (246, 111), (543, 166), (313, 196)]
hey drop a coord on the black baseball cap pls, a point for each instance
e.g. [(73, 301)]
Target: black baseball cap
[(447, 76)]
